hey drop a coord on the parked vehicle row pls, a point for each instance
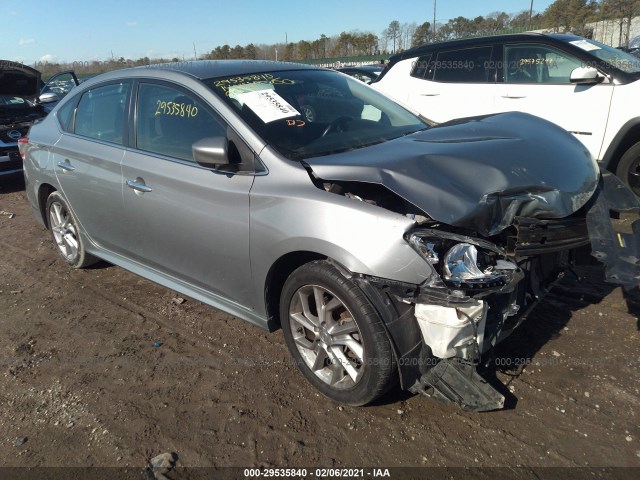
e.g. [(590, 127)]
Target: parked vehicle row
[(387, 247)]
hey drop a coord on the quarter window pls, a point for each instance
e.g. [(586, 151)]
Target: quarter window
[(100, 113), (469, 65), (420, 68), (538, 64), (65, 115), (169, 121)]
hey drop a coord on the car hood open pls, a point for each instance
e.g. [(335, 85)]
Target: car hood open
[(18, 80), (477, 173)]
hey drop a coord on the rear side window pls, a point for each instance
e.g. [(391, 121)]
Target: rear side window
[(100, 113), (170, 121), (469, 65), (420, 68)]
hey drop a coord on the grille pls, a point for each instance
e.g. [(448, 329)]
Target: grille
[(534, 237), (4, 137)]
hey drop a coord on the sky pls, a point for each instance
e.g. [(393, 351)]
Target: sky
[(72, 30)]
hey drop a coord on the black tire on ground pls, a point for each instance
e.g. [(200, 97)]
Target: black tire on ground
[(629, 168), (365, 352), (64, 229)]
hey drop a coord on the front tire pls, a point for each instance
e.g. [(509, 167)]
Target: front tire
[(66, 232), (629, 169), (335, 335)]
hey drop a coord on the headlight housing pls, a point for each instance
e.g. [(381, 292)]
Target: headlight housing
[(463, 262)]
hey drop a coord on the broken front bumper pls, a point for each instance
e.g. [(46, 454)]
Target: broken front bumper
[(439, 338)]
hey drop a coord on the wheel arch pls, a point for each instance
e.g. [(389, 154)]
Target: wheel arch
[(626, 138), (44, 191), (274, 283)]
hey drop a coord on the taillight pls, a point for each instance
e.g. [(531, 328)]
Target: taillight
[(22, 146)]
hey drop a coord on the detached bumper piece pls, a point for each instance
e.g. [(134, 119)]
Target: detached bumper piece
[(460, 383), (618, 251)]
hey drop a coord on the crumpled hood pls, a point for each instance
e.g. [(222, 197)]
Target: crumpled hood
[(18, 80), (477, 173)]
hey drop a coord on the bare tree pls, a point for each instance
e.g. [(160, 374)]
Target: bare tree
[(623, 11), (393, 33)]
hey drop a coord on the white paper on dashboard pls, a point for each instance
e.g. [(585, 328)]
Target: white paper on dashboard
[(268, 105)]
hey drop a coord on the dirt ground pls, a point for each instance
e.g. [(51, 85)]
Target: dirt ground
[(102, 368)]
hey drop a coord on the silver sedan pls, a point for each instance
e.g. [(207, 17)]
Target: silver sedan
[(387, 248)]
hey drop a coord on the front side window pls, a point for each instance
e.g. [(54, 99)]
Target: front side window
[(101, 111), (308, 113), (169, 121), (469, 65), (538, 64)]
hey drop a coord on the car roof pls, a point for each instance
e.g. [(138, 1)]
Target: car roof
[(479, 41), (203, 69)]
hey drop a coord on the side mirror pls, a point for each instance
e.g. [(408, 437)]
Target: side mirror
[(585, 76), (211, 152), (48, 97)]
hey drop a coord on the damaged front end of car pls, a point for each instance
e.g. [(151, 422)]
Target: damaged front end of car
[(482, 290), (495, 245)]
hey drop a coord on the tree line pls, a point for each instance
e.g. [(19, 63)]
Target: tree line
[(561, 16)]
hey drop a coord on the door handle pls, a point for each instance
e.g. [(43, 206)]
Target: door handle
[(429, 94), (138, 186), (513, 97), (66, 166)]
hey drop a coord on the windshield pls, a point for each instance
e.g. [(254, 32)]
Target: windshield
[(309, 113), (613, 56)]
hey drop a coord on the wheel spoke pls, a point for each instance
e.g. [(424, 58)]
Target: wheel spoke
[(302, 320), (319, 362), (57, 216), (337, 373), (318, 295), (345, 363), (304, 301)]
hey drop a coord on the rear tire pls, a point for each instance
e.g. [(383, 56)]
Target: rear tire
[(629, 169), (335, 335), (65, 232)]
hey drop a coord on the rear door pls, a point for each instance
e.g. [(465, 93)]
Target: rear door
[(453, 83), (183, 220), (87, 159)]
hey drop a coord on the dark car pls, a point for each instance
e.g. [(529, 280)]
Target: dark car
[(365, 73), (23, 100)]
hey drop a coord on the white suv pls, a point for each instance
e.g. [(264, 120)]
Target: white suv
[(587, 88)]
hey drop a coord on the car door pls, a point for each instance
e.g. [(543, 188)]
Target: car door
[(537, 81), (453, 83), (87, 157), (188, 222), (57, 87)]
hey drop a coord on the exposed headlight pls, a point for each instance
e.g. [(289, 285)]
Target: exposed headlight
[(461, 264), (461, 261)]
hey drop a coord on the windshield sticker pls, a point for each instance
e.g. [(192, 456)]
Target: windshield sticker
[(176, 109), (267, 78), (235, 91), (585, 45), (268, 105)]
